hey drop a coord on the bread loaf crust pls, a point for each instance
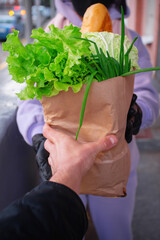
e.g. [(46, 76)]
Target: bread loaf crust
[(96, 19)]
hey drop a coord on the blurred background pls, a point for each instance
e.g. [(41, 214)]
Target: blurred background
[(24, 15)]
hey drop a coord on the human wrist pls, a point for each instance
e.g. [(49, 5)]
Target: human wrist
[(68, 178)]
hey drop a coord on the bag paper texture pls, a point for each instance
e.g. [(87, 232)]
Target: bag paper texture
[(106, 113)]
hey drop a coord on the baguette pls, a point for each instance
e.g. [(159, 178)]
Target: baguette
[(96, 19)]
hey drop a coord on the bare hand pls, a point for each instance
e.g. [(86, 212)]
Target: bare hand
[(70, 160)]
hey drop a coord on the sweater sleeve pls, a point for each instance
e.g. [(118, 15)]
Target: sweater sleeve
[(148, 98), (50, 211), (30, 119)]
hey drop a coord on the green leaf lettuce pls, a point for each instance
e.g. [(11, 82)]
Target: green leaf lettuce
[(52, 63)]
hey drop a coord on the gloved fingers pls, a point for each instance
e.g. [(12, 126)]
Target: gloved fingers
[(134, 98), (134, 120), (42, 157), (44, 168), (130, 122), (136, 126), (128, 135), (36, 141), (42, 152), (42, 161), (132, 111), (133, 127), (45, 175), (138, 120), (136, 130)]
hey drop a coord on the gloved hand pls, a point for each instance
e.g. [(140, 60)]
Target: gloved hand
[(134, 120), (42, 157)]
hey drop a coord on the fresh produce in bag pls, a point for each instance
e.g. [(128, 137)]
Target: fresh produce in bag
[(85, 85)]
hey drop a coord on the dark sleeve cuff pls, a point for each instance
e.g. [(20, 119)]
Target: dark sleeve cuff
[(63, 205), (49, 211)]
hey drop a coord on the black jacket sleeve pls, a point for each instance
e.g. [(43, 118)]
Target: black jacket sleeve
[(49, 211)]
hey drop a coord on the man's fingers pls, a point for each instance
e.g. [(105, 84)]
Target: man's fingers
[(52, 165), (107, 143), (52, 134), (104, 144), (49, 146)]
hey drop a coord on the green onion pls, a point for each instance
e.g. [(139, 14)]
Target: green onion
[(104, 64), (112, 66), (130, 48), (129, 65), (140, 71), (121, 55), (99, 69), (126, 57), (126, 67), (116, 66), (84, 102)]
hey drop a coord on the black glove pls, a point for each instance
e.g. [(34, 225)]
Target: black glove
[(42, 156), (134, 120)]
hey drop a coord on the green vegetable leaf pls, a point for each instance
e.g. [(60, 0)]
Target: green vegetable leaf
[(61, 86), (54, 60), (27, 93), (14, 45)]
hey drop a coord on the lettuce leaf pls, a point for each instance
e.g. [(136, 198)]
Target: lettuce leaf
[(52, 63)]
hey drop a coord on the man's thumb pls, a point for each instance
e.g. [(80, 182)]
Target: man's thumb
[(106, 143)]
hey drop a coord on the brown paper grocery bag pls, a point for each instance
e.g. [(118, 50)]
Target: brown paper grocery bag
[(106, 113)]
